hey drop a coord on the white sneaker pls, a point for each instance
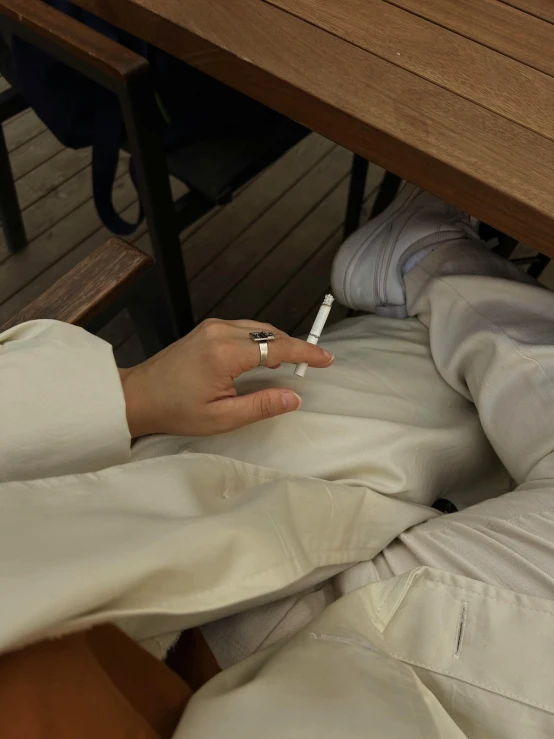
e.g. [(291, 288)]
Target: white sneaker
[(368, 269)]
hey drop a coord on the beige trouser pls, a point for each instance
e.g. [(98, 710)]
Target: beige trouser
[(492, 340), (414, 409)]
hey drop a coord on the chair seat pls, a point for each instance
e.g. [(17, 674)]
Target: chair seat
[(217, 166)]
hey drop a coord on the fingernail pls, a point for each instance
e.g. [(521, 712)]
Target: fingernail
[(328, 355), (291, 401)]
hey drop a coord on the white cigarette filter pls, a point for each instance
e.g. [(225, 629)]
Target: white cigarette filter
[(317, 328)]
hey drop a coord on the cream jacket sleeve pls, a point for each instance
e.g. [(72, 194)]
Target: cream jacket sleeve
[(62, 409), (89, 536), (175, 541)]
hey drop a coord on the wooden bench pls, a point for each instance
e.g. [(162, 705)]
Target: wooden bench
[(114, 276)]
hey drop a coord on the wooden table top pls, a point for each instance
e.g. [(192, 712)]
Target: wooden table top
[(454, 95)]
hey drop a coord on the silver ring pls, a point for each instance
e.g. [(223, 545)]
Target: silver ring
[(264, 353), (261, 338)]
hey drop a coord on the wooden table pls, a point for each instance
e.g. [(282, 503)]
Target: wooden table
[(454, 95)]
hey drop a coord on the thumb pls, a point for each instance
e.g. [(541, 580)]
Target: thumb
[(246, 409)]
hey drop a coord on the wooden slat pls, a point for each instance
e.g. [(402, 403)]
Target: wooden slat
[(203, 240), (299, 296), (45, 178), (73, 243), (206, 238), (22, 128), (231, 222), (24, 266), (540, 8), (483, 163), (271, 275), (35, 152), (90, 286), (267, 279), (69, 238), (54, 206), (221, 276), (495, 25), (304, 290), (78, 249), (466, 68)]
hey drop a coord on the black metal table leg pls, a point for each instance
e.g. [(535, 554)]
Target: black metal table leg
[(355, 194), (139, 110), (10, 212)]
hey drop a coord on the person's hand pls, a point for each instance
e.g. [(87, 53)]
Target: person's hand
[(188, 388)]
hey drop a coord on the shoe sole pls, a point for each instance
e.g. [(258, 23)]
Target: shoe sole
[(346, 260)]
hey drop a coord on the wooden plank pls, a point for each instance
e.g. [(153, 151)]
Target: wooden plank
[(221, 275), (305, 289), (292, 304), (22, 267), (52, 174), (466, 68), (90, 287), (37, 151), (495, 25), (232, 221), (53, 207), (41, 281), (480, 162), (22, 128), (142, 240), (125, 201), (539, 8), (270, 276), (266, 280)]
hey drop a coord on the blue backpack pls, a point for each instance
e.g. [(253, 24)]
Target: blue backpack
[(81, 113)]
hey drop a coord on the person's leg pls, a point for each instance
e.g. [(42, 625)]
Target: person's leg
[(492, 340), (381, 416), (363, 418)]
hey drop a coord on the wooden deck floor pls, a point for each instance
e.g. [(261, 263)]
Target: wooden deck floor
[(266, 255)]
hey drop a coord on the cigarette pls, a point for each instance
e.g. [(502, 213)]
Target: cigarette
[(317, 328)]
